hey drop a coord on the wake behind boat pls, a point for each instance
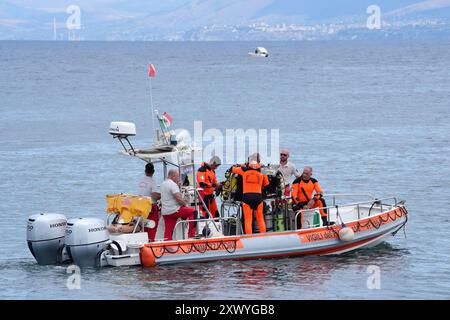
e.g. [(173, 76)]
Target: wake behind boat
[(53, 239)]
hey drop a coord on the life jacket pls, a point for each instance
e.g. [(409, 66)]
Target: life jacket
[(206, 177), (252, 179), (302, 191)]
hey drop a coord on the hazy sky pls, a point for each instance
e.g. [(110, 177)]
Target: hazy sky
[(31, 19), (312, 7)]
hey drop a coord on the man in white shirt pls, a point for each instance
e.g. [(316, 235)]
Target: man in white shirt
[(147, 188), (288, 169), (173, 205)]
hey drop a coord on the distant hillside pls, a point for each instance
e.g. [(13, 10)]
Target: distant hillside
[(223, 19)]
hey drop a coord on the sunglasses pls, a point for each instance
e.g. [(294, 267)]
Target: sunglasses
[(283, 154)]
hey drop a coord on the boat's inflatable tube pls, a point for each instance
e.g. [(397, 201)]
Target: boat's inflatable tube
[(325, 240), (45, 237)]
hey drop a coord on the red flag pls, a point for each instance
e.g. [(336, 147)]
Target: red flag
[(151, 70), (167, 118)]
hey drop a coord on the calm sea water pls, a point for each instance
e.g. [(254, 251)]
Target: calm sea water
[(369, 117)]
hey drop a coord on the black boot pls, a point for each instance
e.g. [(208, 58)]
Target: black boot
[(195, 218), (326, 223)]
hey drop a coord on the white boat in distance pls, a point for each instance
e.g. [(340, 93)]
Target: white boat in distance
[(260, 52)]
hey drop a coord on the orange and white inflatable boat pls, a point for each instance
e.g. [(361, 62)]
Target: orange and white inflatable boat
[(358, 225)]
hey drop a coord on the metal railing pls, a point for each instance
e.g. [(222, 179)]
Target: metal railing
[(197, 201), (139, 220), (230, 205), (357, 204), (213, 220), (345, 195), (205, 207)]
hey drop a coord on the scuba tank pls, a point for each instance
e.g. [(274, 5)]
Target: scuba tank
[(237, 187), (316, 219), (278, 219), (230, 227), (268, 217), (232, 188), (275, 189), (290, 212), (226, 189), (281, 184)]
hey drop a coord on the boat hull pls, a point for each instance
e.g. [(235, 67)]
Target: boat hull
[(317, 241)]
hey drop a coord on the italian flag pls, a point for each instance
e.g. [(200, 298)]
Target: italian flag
[(167, 119)]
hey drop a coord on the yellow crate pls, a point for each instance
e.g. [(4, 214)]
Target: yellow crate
[(128, 205), (141, 206), (112, 203)]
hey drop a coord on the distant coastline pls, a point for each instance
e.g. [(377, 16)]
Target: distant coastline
[(420, 29)]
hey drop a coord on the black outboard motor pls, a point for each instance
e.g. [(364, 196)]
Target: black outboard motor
[(45, 237)]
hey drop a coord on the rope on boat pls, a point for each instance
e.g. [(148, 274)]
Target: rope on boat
[(200, 248), (389, 216), (373, 204), (342, 223), (403, 209)]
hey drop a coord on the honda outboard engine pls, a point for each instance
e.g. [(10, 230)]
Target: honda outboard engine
[(86, 239), (45, 237)]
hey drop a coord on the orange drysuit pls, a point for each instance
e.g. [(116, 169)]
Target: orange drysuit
[(206, 179), (252, 183), (302, 193)]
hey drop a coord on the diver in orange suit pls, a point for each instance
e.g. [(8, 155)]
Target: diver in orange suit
[(252, 183), (206, 179), (302, 195)]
